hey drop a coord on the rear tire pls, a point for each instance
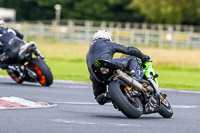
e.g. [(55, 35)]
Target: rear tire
[(45, 77), (130, 108), (14, 76)]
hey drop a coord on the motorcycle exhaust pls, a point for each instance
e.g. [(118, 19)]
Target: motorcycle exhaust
[(127, 79), (31, 73)]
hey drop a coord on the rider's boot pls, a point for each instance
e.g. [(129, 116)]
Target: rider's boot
[(141, 80), (24, 48), (103, 98), (138, 79)]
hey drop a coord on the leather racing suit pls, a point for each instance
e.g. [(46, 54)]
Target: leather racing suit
[(103, 49)]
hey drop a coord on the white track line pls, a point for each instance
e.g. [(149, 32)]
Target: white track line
[(185, 106), (182, 91), (93, 103), (92, 123), (77, 103)]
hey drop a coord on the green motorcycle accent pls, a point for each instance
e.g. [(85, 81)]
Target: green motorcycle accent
[(147, 64), (128, 72), (150, 72), (96, 63)]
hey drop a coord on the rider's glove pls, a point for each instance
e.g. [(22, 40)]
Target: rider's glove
[(145, 58), (39, 55), (42, 57)]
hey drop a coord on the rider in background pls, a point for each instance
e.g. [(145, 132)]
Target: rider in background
[(12, 46), (102, 48)]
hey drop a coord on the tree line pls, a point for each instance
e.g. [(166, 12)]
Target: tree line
[(150, 11)]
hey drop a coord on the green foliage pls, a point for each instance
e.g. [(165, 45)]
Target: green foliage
[(89, 10), (169, 11), (153, 11), (112, 10)]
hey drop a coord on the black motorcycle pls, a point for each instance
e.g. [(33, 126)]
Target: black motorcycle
[(129, 96), (31, 68)]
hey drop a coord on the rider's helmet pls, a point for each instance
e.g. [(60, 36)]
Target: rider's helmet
[(102, 34), (2, 23)]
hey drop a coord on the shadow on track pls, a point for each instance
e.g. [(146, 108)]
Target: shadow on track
[(23, 84), (124, 117)]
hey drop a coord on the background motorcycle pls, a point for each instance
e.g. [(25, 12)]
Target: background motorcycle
[(129, 96), (32, 68)]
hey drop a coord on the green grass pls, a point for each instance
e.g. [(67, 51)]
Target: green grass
[(67, 62), (67, 70), (178, 77)]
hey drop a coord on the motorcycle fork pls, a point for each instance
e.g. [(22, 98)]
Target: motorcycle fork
[(163, 99)]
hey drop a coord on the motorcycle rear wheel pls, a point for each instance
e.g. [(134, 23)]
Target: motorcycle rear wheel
[(45, 77), (130, 108), (14, 76)]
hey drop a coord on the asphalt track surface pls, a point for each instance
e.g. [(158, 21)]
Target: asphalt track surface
[(76, 111)]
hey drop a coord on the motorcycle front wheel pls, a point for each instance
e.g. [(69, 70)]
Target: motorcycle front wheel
[(165, 109), (44, 75), (132, 108)]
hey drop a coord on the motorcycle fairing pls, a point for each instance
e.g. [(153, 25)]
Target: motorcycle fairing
[(150, 72), (103, 70)]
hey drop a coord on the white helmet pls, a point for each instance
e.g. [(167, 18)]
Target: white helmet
[(2, 23), (102, 34)]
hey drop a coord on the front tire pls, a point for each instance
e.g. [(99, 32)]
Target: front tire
[(165, 109), (130, 108), (45, 77)]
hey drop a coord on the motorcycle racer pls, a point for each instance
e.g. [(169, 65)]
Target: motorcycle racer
[(102, 48), (12, 46)]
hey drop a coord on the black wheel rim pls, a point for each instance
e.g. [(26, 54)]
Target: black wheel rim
[(166, 105), (133, 102)]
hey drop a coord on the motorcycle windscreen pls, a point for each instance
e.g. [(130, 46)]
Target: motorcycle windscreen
[(104, 70)]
